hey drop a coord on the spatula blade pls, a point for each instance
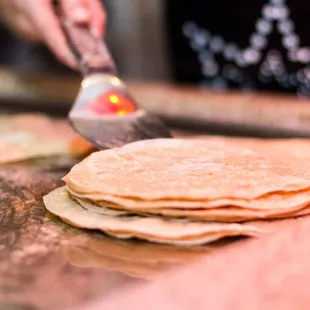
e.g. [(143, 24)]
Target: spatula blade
[(107, 133), (111, 130)]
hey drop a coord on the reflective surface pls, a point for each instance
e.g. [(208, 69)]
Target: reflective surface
[(46, 264)]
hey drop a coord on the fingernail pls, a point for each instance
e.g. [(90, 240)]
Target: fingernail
[(80, 14)]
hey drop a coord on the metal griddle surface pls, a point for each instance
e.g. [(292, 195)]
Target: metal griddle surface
[(48, 265)]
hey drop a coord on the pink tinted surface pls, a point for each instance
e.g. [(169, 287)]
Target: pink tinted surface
[(268, 273)]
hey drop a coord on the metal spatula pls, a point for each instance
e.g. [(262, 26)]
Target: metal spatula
[(104, 112)]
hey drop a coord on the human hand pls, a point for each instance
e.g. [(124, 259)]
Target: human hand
[(36, 21)]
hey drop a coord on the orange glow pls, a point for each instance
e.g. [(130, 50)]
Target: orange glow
[(112, 103), (121, 112)]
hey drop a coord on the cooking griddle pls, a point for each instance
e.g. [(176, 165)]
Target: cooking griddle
[(46, 264), (34, 273), (266, 273)]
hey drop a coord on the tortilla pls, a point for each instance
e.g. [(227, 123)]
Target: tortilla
[(193, 170), (276, 202), (58, 163), (105, 210), (27, 137), (155, 229), (222, 214)]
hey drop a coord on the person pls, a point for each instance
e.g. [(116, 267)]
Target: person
[(35, 21), (250, 45)]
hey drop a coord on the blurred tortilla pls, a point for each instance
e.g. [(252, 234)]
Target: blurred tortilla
[(133, 258), (29, 138)]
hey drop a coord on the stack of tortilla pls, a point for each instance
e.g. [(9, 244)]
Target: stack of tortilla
[(38, 140), (186, 192)]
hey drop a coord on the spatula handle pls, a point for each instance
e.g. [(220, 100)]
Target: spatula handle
[(91, 53)]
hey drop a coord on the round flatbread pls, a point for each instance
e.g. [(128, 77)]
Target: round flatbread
[(276, 203), (191, 170), (220, 214), (156, 229), (30, 137)]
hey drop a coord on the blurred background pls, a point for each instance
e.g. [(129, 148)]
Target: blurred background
[(244, 69), (135, 34)]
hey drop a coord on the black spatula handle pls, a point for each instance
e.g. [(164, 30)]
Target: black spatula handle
[(90, 52)]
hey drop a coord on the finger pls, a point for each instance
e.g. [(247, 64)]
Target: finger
[(17, 22), (52, 34), (24, 29), (98, 17), (27, 31), (77, 11)]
